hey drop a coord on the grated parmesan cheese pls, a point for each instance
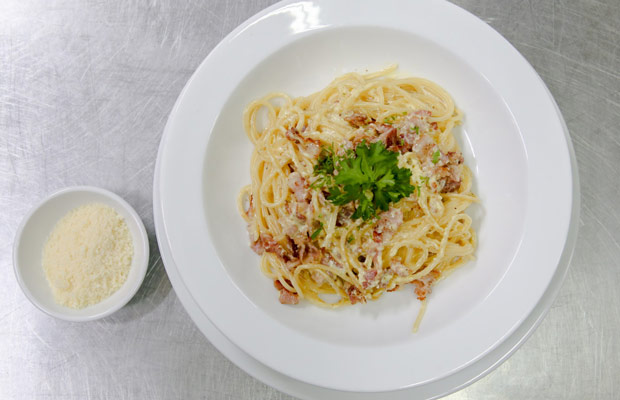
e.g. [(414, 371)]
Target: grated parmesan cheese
[(88, 255)]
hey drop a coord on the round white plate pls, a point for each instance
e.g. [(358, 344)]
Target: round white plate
[(513, 140)]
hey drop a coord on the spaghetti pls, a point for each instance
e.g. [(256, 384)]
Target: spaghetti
[(324, 252)]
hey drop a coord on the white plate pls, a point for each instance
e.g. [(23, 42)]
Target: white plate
[(512, 138)]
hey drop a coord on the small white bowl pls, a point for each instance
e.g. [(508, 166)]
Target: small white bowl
[(34, 231)]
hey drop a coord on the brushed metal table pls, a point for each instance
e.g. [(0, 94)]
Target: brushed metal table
[(85, 90)]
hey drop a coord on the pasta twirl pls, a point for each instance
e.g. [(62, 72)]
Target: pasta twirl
[(317, 249)]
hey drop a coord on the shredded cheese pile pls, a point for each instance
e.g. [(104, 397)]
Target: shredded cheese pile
[(87, 256)]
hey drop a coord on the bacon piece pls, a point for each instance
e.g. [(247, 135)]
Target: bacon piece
[(293, 135), (344, 215), (388, 135), (369, 277), (450, 175), (424, 146), (385, 133), (423, 286), (423, 113), (309, 253), (357, 119), (258, 247), (388, 223), (311, 146), (398, 267), (250, 211), (329, 259), (357, 139), (411, 130), (287, 297), (278, 285), (298, 186), (272, 246), (267, 243), (318, 277), (451, 184), (355, 296), (455, 157)]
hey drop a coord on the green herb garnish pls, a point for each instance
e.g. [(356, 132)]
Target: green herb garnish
[(390, 120), (424, 179), (350, 239), (369, 177), (436, 155), (316, 233), (324, 168)]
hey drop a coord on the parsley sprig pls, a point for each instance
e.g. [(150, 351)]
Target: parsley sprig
[(317, 232), (369, 177)]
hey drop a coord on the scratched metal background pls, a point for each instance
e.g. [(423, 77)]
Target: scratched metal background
[(85, 90)]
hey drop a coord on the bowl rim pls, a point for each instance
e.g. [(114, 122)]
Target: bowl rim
[(142, 242)]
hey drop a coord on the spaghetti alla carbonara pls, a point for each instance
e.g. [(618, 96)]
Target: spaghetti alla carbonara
[(357, 190)]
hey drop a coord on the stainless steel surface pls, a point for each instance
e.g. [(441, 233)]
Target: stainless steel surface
[(85, 90)]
